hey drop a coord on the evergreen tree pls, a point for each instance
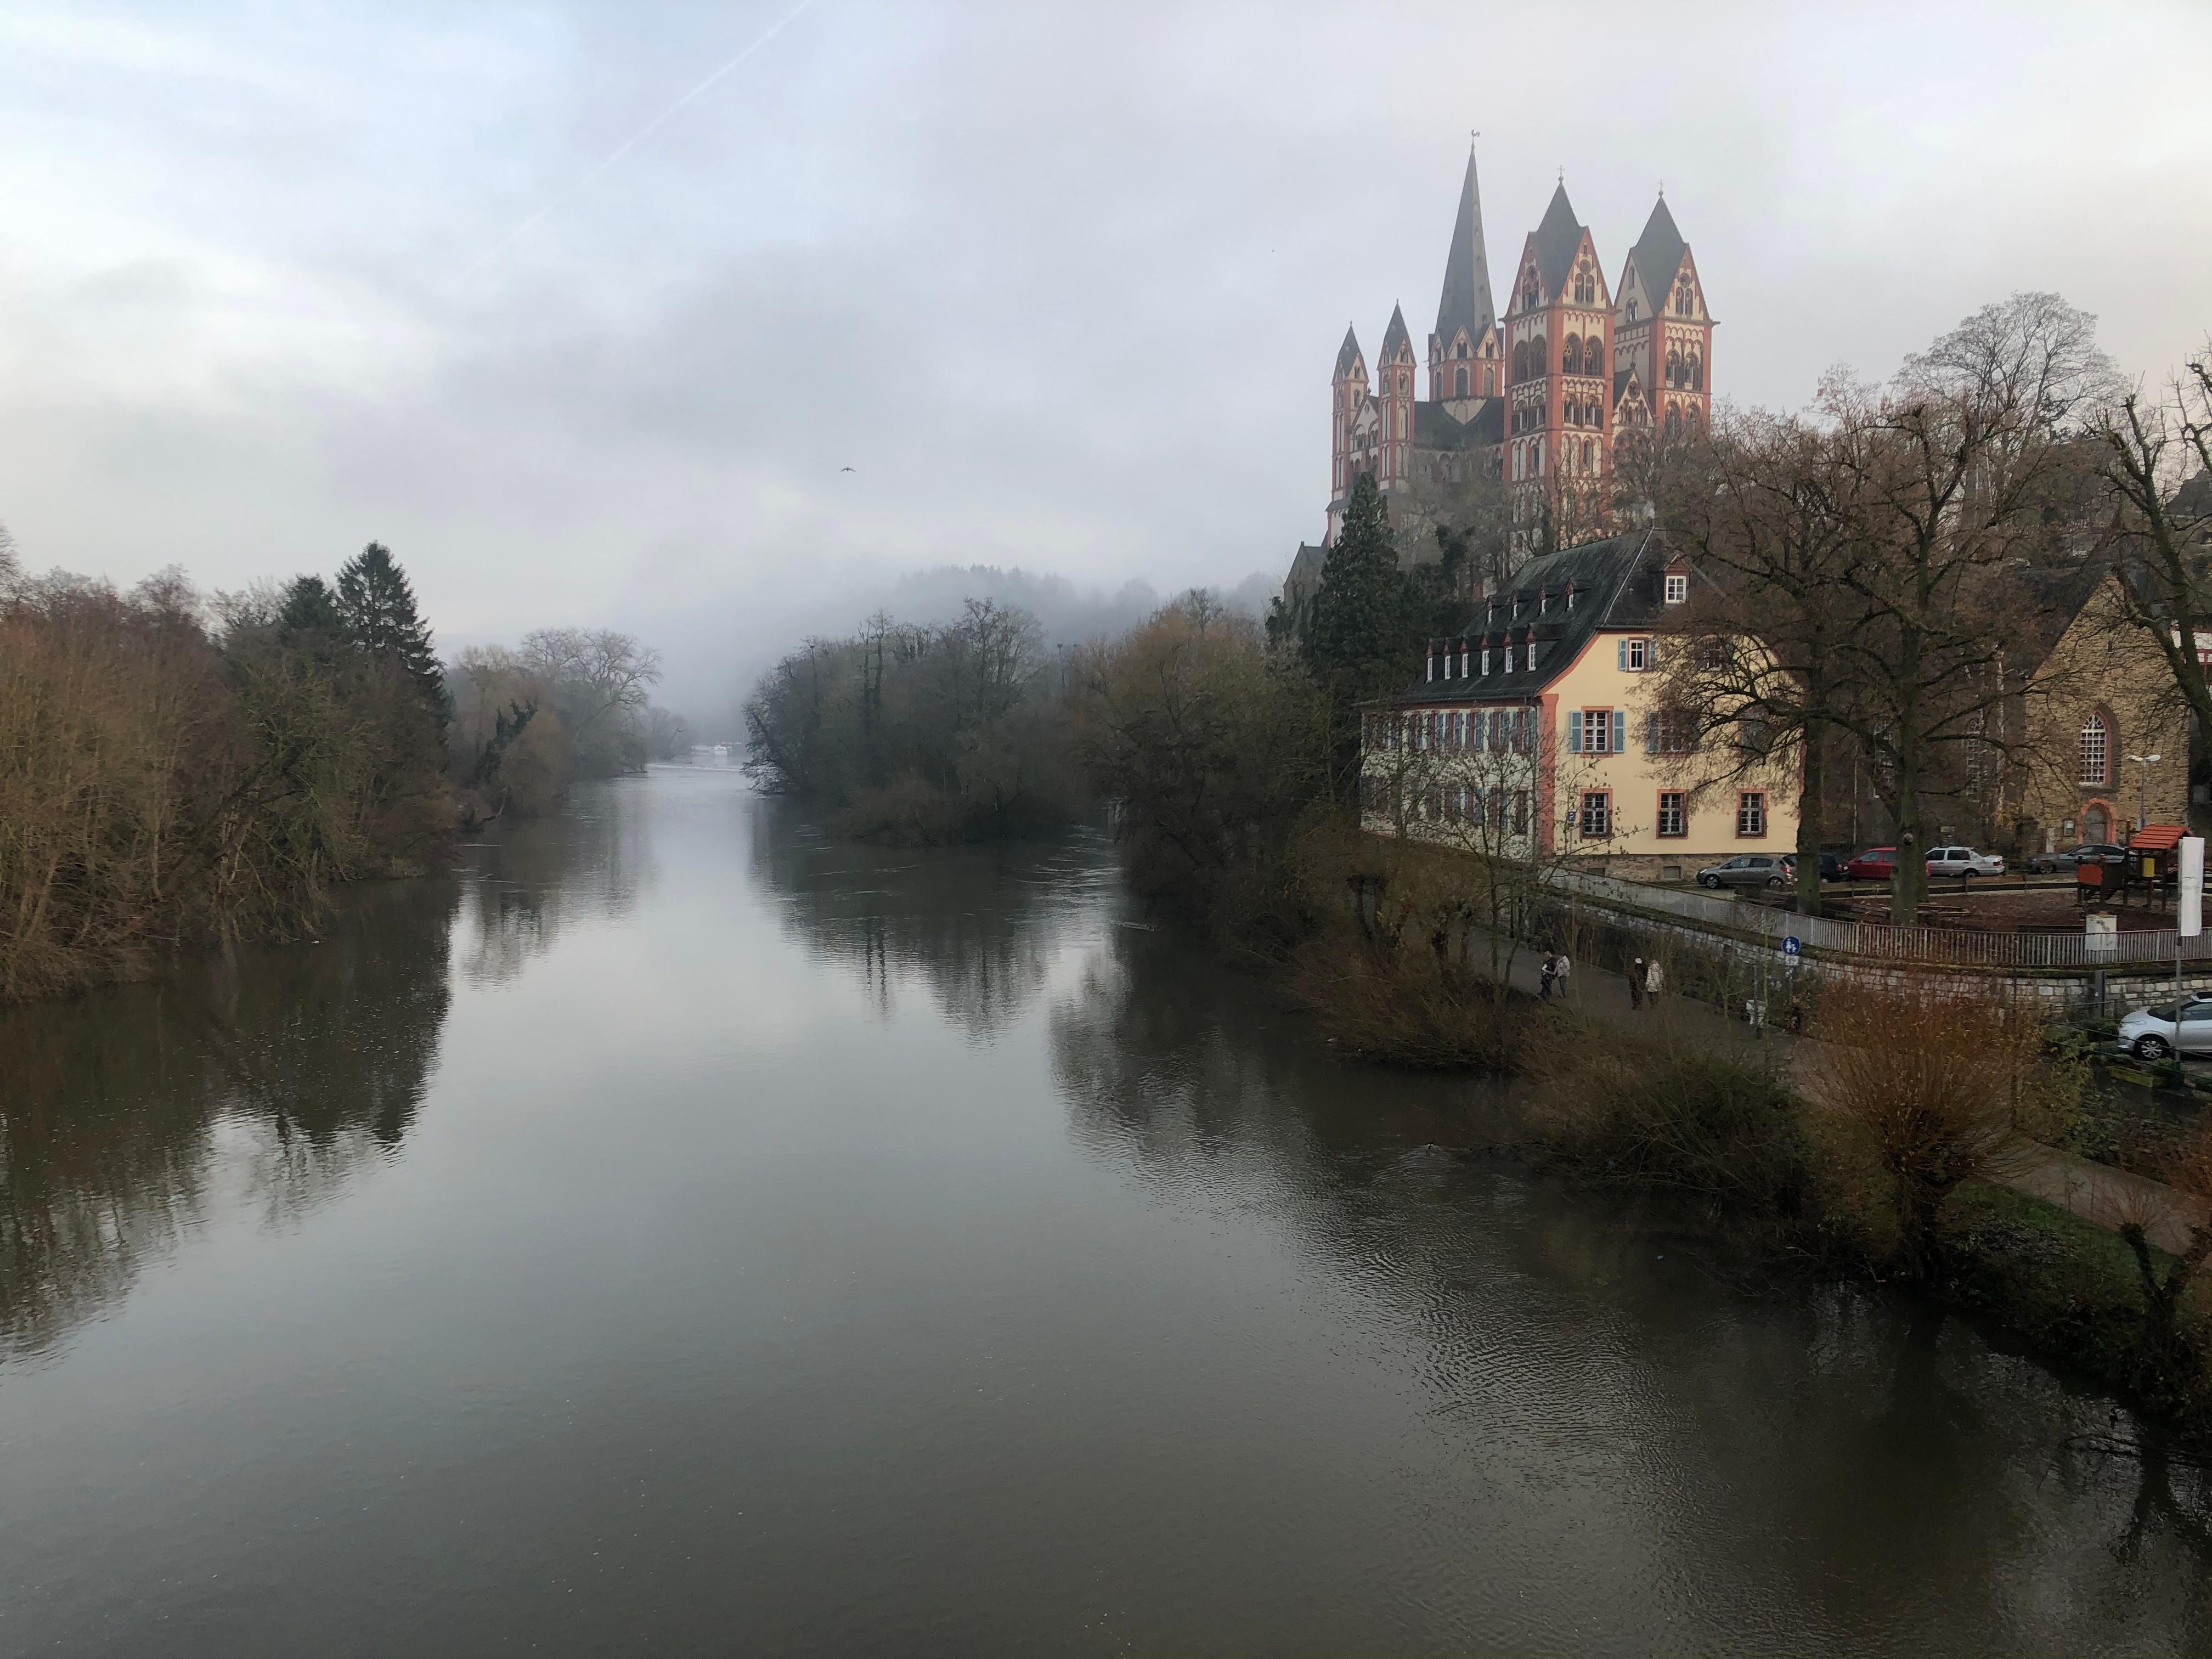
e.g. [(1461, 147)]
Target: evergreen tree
[(309, 607), (1363, 634), (377, 605), (1363, 629)]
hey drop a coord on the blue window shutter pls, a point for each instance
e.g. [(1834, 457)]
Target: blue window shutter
[(1619, 731), (1622, 646), (1574, 733), (1651, 733)]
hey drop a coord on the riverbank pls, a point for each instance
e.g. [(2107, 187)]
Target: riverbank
[(1888, 1160)]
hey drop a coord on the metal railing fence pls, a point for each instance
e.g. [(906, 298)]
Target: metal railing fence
[(1880, 942)]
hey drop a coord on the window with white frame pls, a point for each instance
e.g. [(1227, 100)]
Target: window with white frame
[(1596, 814), (1509, 659), (1519, 811), (1751, 812), (1678, 589), (1674, 818), (1486, 659), (1635, 655), (1595, 737)]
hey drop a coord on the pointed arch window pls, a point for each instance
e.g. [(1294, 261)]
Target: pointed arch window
[(1673, 421), (1489, 382), (1570, 355), (2096, 752), (1529, 291), (1459, 381), (1686, 299), (1694, 366), (1520, 362), (1585, 287)]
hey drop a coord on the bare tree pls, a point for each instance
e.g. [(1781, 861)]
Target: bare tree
[(2160, 531)]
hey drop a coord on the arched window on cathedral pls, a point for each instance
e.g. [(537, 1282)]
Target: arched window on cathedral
[(2096, 752), (1489, 382), (1459, 381), (1674, 420), (1695, 368), (1673, 368), (1589, 455), (1686, 299), (1631, 311), (1585, 287), (1539, 357), (1529, 291), (1570, 355), (1594, 413)]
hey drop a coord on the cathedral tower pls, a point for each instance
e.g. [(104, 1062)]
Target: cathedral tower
[(1394, 393), (1664, 333), (1348, 398), (1558, 346), (1464, 361)]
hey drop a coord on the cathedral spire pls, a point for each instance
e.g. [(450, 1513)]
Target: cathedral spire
[(1347, 355), (1466, 302)]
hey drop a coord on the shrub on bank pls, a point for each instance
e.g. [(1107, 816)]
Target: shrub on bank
[(1406, 1009)]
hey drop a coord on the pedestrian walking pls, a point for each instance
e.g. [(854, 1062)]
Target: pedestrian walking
[(1550, 972), (1653, 980), (1636, 971), (1560, 975)]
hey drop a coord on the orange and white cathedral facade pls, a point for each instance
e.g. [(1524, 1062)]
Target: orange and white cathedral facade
[(1541, 395)]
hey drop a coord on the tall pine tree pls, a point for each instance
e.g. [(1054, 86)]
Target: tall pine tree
[(1364, 631), (377, 604)]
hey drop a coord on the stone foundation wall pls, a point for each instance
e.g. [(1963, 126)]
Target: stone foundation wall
[(1726, 965)]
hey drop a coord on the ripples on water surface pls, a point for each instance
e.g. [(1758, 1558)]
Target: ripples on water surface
[(678, 1234)]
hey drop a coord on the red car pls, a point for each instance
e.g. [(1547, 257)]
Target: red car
[(1876, 864)]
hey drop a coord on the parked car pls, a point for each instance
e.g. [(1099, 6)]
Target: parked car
[(1750, 870), (2158, 1032), (1876, 864), (2100, 851), (1963, 861), (1832, 866)]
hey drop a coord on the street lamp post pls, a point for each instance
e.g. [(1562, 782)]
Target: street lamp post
[(2142, 804)]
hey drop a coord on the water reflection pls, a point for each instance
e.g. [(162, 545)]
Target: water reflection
[(977, 926), (1590, 1357), (278, 1073), (524, 882)]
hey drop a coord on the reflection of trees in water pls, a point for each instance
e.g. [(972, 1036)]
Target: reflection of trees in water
[(527, 879), (977, 924), (123, 1112), (1540, 1318)]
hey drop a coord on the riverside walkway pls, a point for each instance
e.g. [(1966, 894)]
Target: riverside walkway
[(2098, 1192)]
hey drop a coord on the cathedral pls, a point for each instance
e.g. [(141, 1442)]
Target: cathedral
[(1539, 397)]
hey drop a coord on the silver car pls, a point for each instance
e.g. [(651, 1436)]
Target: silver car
[(2169, 1028), (1963, 861), (1751, 870)]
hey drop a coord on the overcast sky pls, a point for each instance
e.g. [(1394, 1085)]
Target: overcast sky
[(1061, 284)]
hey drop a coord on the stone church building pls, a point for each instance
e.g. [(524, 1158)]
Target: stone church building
[(1537, 396)]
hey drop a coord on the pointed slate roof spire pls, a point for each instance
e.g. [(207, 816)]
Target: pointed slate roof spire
[(1658, 252), (1466, 302), (1396, 335), (1347, 355), (1557, 238)]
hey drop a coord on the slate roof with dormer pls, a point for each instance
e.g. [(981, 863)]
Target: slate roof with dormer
[(1347, 355), (1617, 584), (1559, 238), (1658, 252), (1435, 428)]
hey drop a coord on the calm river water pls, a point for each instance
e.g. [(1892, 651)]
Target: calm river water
[(677, 1234)]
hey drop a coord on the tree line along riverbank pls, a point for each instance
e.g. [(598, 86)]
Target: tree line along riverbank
[(177, 770), (1229, 768)]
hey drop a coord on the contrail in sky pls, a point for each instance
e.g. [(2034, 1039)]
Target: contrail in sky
[(634, 141)]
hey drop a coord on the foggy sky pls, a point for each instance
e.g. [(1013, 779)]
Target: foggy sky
[(1062, 284)]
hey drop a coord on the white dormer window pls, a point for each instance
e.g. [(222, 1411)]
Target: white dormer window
[(1509, 659), (1678, 589), (1486, 659), (1462, 660), (1570, 598), (1544, 602), (1432, 674)]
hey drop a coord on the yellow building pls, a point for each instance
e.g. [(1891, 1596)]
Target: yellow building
[(1540, 731)]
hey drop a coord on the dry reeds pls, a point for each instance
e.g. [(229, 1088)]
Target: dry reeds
[(1932, 1087)]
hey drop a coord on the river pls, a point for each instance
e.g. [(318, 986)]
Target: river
[(676, 1233)]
